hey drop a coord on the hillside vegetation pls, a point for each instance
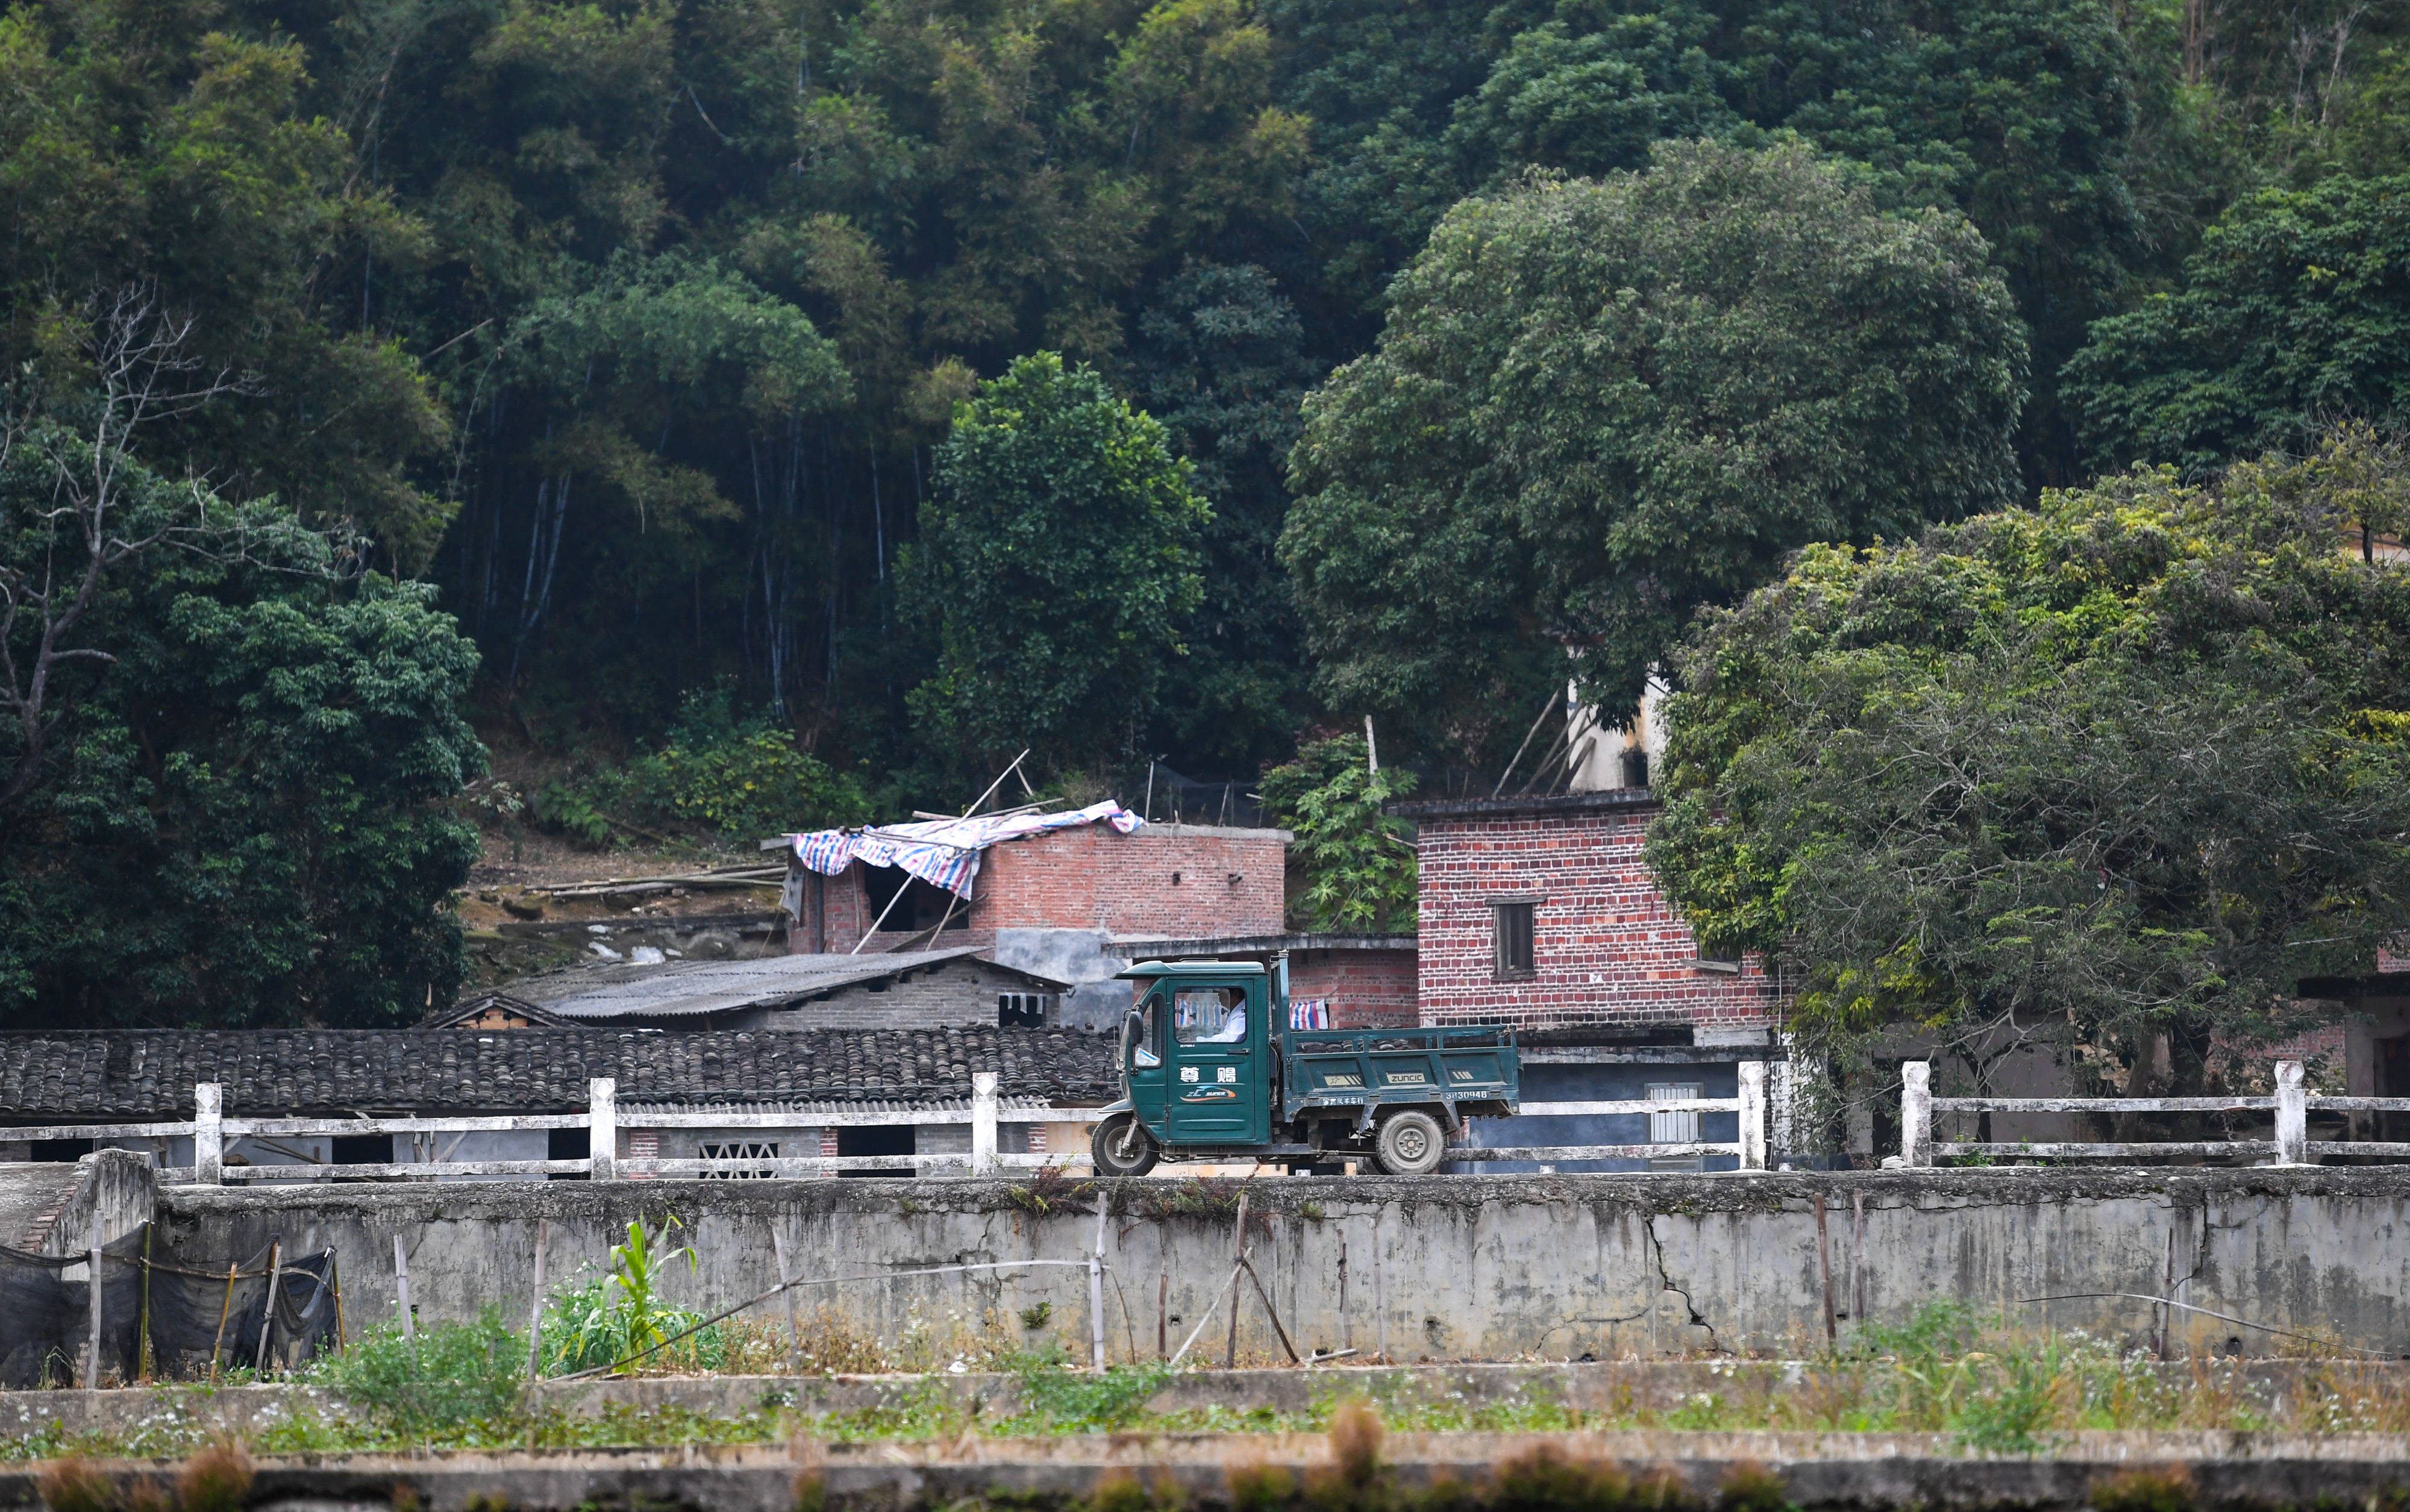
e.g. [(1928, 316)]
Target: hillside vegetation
[(845, 395)]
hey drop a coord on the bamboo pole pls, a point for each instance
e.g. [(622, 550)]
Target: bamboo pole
[(535, 1307), (267, 1311)]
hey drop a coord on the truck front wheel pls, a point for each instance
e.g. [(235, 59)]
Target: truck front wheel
[(1410, 1143), (1122, 1147)]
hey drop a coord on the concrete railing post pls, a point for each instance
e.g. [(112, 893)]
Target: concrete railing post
[(603, 1128), (2292, 1115), (209, 1134), (1916, 1112), (983, 1123), (1753, 1115)]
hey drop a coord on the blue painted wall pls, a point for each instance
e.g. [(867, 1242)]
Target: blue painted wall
[(1605, 1083)]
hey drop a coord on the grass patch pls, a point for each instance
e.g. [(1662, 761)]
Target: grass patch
[(1985, 1392)]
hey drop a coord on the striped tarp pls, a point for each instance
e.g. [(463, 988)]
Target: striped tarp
[(943, 852)]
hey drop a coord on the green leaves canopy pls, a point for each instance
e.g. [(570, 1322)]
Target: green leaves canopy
[(250, 825), (1599, 406), (1057, 558), (2124, 767), (2294, 314)]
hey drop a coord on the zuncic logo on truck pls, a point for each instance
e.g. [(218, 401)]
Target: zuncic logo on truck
[(1404, 1077)]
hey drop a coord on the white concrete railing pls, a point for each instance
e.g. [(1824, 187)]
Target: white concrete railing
[(2291, 1106), (211, 1131)]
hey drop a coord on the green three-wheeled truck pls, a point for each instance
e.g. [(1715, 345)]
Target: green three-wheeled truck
[(1212, 1069)]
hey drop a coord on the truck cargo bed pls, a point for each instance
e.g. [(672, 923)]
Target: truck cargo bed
[(1355, 1069)]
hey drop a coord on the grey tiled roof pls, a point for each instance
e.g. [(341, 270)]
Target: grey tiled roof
[(147, 1073)]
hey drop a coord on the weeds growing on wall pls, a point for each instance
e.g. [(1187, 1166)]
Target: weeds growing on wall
[(450, 1375), (1939, 1373)]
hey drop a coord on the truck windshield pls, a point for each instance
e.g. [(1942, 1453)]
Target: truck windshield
[(1210, 1016)]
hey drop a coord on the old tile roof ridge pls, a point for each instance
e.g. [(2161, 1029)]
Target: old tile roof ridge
[(142, 1073)]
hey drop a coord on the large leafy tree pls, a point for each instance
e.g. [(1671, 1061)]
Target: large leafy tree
[(2114, 774), (2021, 114), (1597, 406), (2294, 314), (238, 810), (1056, 564)]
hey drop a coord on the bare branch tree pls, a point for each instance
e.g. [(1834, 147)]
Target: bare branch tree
[(141, 373)]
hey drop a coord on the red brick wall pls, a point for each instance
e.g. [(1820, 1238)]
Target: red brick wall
[(1366, 989), (1164, 880), (1607, 949)]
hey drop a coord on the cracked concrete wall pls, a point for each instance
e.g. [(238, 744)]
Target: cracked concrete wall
[(1446, 1268)]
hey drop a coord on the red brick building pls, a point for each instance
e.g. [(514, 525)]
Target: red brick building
[(1055, 903), (1540, 912)]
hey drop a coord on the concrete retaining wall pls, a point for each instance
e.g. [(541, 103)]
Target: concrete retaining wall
[(1448, 1268)]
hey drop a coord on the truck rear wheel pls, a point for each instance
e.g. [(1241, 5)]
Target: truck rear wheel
[(1122, 1147), (1410, 1143)]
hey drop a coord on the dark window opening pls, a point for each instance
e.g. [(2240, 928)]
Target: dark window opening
[(361, 1149), (887, 1139), (62, 1152), (1512, 939), (568, 1144), (1636, 767), (924, 905), (1024, 1010)]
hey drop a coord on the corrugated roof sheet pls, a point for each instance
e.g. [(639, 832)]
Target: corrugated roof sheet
[(151, 1072), (600, 993)]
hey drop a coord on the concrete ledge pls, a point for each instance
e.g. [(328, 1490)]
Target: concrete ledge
[(1818, 1470)]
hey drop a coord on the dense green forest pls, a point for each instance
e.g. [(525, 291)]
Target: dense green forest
[(652, 380)]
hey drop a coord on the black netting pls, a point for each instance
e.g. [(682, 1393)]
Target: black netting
[(45, 1316), (190, 1316), (197, 1315)]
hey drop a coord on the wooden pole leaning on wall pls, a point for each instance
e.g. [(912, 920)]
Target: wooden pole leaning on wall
[(224, 1308), (795, 1324), (402, 1292), (92, 1361), (268, 1309), (535, 1307), (1237, 1264), (1096, 1286), (1824, 1272), (1858, 1258)]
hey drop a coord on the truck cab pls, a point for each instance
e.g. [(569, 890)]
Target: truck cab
[(1211, 1068)]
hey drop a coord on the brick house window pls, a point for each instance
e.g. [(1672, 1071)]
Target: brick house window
[(1511, 938), (1674, 1127)]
